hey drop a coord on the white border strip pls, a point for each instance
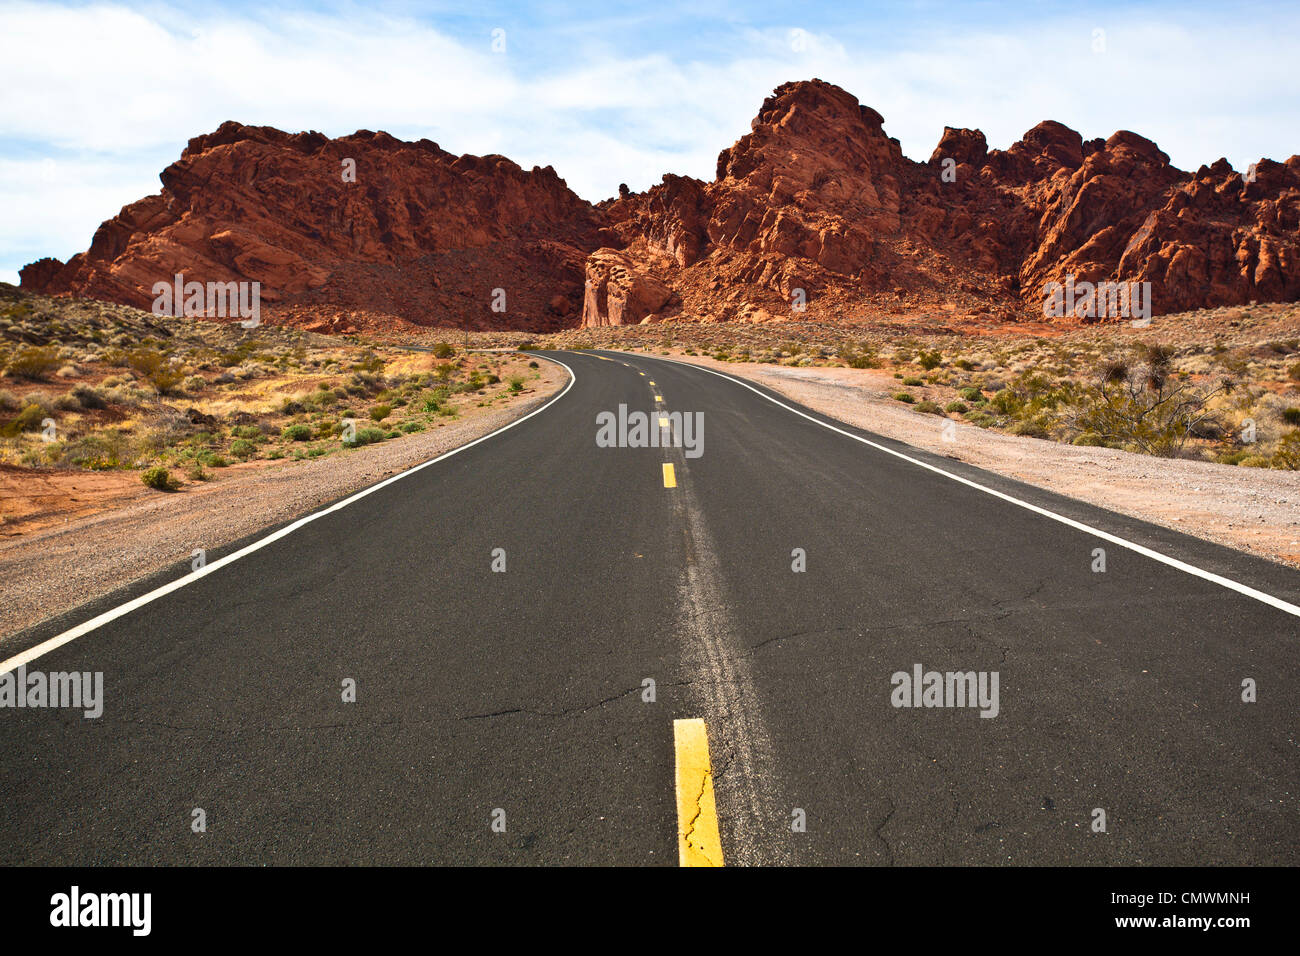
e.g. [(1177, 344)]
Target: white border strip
[(1231, 585), (68, 636)]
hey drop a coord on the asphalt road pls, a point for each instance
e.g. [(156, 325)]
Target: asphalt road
[(519, 695)]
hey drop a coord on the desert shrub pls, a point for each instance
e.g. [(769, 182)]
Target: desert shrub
[(410, 427), (156, 368), (1287, 453), (516, 384), (297, 433), (929, 408), (1291, 416), (380, 412), (89, 397), (971, 394), (929, 360), (958, 407), (1031, 428), (34, 362), (913, 381), (369, 362), (1144, 406), (159, 478), (904, 397), (366, 436), (1293, 372), (246, 431), (1089, 439), (243, 448), (196, 383), (27, 420), (442, 350), (9, 401)]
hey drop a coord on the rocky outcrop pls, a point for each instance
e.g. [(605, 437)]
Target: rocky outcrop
[(364, 221), (813, 213), (617, 293)]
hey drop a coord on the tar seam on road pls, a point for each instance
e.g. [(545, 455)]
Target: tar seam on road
[(1191, 569), (53, 643)]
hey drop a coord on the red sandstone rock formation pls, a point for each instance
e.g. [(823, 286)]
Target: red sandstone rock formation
[(815, 206)]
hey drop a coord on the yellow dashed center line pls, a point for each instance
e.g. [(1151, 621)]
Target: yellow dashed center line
[(642, 374), (670, 476), (698, 843), (663, 422), (659, 398), (651, 382)]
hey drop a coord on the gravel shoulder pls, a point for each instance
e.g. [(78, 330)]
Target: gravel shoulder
[(57, 569), (1256, 510)]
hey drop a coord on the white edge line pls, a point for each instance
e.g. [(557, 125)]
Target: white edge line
[(72, 634), (1077, 525)]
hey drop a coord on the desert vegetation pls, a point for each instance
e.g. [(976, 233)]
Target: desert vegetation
[(95, 386)]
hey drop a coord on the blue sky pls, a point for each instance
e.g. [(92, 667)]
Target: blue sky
[(99, 97)]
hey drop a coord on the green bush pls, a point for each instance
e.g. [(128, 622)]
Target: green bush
[(958, 407), (971, 394), (159, 478), (243, 448), (251, 432), (444, 351), (929, 360), (516, 384), (34, 362), (929, 408), (904, 397), (913, 381), (380, 412), (297, 433), (28, 420), (156, 368), (1287, 453), (366, 436)]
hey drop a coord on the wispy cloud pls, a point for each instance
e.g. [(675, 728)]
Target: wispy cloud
[(110, 92)]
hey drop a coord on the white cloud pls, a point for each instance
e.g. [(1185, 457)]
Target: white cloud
[(117, 88)]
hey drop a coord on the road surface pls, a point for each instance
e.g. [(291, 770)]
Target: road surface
[(505, 717)]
